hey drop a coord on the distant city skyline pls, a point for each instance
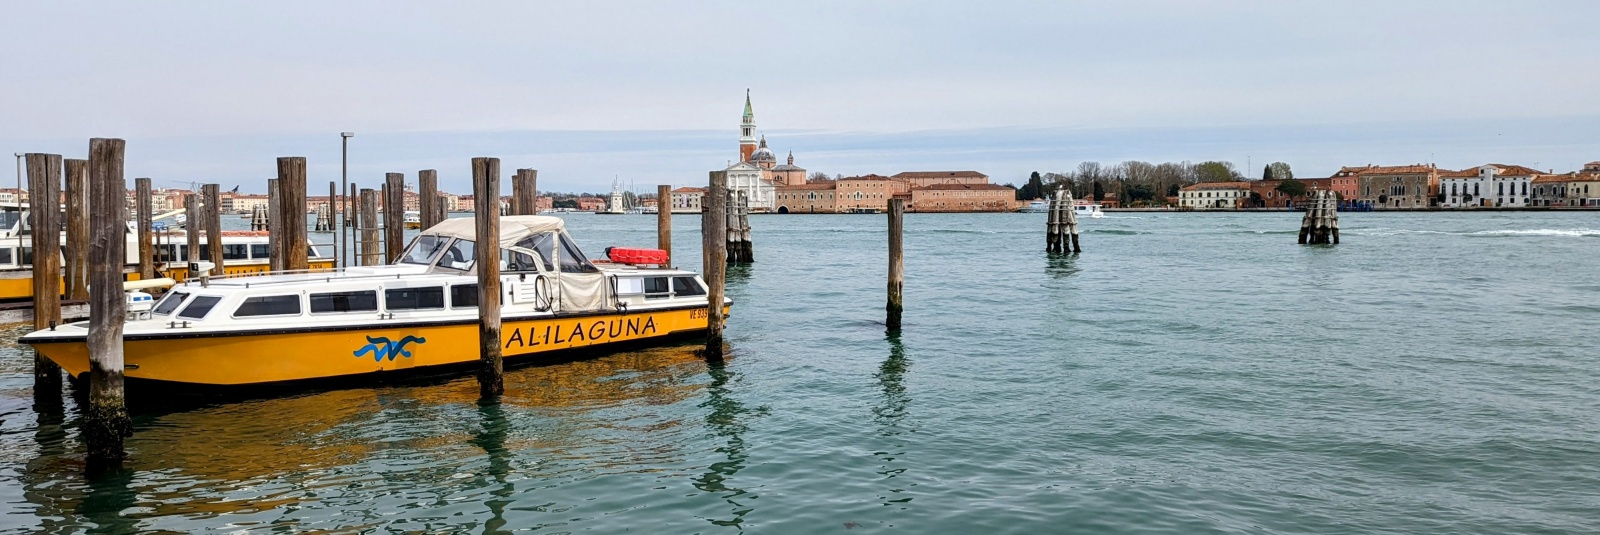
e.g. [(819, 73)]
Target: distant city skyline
[(652, 93)]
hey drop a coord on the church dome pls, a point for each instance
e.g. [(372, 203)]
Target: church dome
[(763, 154)]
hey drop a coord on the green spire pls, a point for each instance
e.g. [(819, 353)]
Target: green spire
[(747, 111)]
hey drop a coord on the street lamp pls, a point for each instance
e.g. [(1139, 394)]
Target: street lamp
[(344, 252), (18, 198)]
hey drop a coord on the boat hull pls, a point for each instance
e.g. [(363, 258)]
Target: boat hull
[(329, 353)]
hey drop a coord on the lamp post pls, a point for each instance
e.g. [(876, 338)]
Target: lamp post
[(344, 252), (18, 198)]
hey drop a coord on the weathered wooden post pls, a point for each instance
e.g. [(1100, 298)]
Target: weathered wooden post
[(394, 215), (714, 242), (292, 200), (212, 199), (147, 267), (1069, 218), (1052, 225), (371, 247), (739, 249), (44, 188), (427, 194), (1333, 215), (275, 258), (897, 261), (191, 233), (664, 220), (524, 195), (77, 250), (486, 185), (105, 419)]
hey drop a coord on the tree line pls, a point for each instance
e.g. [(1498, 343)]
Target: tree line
[(1139, 182)]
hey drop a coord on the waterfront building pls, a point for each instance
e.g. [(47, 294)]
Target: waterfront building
[(1581, 189), (1211, 195), (747, 177), (1344, 183), (808, 198), (1270, 197), (687, 200), (963, 198), (1488, 185), (870, 193), (1400, 186), (918, 179)]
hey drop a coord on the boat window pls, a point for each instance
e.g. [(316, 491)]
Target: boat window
[(518, 261), (687, 286), (170, 303), (205, 252), (235, 251), (464, 296), (424, 249), (459, 256), (366, 301), (656, 288), (572, 259), (269, 305), (27, 256), (259, 250), (199, 307), (413, 298), (9, 219), (540, 244), (5, 255)]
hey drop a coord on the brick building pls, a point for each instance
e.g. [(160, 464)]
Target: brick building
[(963, 197), (809, 198), (918, 179), (1401, 186)]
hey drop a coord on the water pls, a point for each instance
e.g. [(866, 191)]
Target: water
[(1189, 373)]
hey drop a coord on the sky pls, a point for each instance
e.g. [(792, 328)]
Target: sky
[(650, 93)]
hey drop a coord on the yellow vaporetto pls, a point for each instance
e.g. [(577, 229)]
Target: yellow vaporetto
[(419, 313)]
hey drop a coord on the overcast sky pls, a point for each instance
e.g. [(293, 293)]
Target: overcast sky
[(652, 92)]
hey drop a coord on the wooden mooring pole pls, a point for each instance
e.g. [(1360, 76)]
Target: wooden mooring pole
[(292, 201), (191, 233), (486, 185), (664, 220), (105, 419), (147, 266), (524, 193), (77, 250), (211, 200), (714, 242), (275, 259), (1320, 224), (427, 195), (740, 250), (1061, 233), (44, 187), (394, 215), (371, 247), (897, 262)]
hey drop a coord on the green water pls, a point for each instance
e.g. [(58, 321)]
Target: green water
[(1188, 373)]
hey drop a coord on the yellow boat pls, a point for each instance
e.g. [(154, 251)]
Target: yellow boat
[(417, 314), (243, 253)]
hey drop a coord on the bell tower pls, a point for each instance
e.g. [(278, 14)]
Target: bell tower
[(747, 130)]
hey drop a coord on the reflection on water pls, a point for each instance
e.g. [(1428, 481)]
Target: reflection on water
[(890, 415), (271, 461), (727, 420), (1061, 265)]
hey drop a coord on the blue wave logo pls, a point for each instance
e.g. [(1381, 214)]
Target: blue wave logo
[(381, 347)]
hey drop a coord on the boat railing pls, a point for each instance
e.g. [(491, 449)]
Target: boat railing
[(240, 279)]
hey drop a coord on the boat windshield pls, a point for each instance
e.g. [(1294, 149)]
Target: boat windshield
[(424, 249), (8, 219), (459, 256)]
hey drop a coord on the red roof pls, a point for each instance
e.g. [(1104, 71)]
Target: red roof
[(687, 189), (1217, 185), (939, 174), (965, 186)]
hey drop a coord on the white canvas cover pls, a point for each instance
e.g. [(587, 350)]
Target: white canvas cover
[(584, 292), (513, 228)]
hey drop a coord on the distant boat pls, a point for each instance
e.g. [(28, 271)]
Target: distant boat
[(1036, 207), (1090, 209), (413, 219)]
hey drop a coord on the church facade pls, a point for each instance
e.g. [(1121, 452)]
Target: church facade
[(757, 172)]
